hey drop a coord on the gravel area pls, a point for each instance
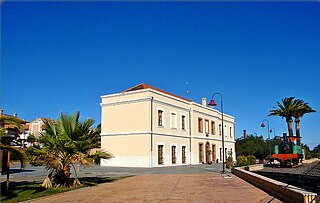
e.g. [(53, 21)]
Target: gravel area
[(312, 169), (306, 176)]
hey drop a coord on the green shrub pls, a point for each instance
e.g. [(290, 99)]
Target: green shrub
[(251, 160), (246, 160), (229, 162), (241, 160)]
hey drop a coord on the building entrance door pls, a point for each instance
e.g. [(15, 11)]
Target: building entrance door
[(214, 157), (201, 153), (208, 151), (173, 155)]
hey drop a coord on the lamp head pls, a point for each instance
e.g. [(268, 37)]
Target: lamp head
[(212, 103), (262, 125)]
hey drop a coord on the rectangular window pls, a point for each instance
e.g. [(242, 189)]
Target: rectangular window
[(221, 154), (160, 154), (183, 154), (220, 129), (230, 131), (207, 126), (173, 120), (231, 152), (200, 125), (213, 128), (183, 122), (160, 117), (173, 152)]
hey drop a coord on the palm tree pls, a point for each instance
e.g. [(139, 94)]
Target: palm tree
[(67, 143), (6, 148), (285, 110), (301, 108)]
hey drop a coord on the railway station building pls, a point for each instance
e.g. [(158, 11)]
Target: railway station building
[(147, 127)]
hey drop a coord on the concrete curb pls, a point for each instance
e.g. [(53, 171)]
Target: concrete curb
[(282, 191)]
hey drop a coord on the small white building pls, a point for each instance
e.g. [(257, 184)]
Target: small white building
[(148, 127)]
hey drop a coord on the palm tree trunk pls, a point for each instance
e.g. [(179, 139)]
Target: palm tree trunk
[(297, 121), (289, 122), (8, 170)]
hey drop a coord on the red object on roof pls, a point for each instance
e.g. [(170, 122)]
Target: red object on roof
[(145, 86)]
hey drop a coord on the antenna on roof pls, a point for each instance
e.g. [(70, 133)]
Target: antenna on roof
[(187, 88)]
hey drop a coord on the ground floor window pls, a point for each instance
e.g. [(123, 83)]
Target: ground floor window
[(220, 154), (173, 154), (183, 154), (225, 154), (160, 154)]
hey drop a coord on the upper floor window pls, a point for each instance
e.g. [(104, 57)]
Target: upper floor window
[(213, 128), (200, 125), (230, 131), (173, 120), (220, 129), (207, 126), (160, 118), (225, 131), (183, 122)]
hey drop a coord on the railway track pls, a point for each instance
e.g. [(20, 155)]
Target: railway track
[(307, 176)]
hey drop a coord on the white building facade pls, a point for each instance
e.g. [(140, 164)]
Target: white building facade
[(148, 127)]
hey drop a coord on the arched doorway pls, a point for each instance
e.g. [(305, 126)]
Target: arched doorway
[(208, 153)]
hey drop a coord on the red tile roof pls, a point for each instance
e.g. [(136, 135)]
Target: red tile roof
[(145, 86)]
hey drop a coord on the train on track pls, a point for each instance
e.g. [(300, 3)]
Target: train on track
[(288, 152)]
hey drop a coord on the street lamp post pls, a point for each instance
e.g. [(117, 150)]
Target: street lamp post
[(212, 104), (274, 132), (263, 125)]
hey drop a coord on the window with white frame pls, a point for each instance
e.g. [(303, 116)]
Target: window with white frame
[(230, 131), (220, 129), (200, 125), (173, 120), (160, 118), (213, 128), (225, 130), (183, 122), (207, 126)]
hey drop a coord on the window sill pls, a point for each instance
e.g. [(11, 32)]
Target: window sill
[(160, 126), (173, 128)]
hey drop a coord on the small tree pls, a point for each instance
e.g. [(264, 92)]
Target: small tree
[(5, 145), (31, 139), (67, 142)]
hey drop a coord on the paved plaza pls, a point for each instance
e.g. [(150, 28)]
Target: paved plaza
[(198, 183)]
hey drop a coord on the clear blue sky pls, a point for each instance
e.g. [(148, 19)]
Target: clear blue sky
[(61, 57)]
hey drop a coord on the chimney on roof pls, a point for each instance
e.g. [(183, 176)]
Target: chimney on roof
[(15, 115), (204, 101), (244, 134)]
